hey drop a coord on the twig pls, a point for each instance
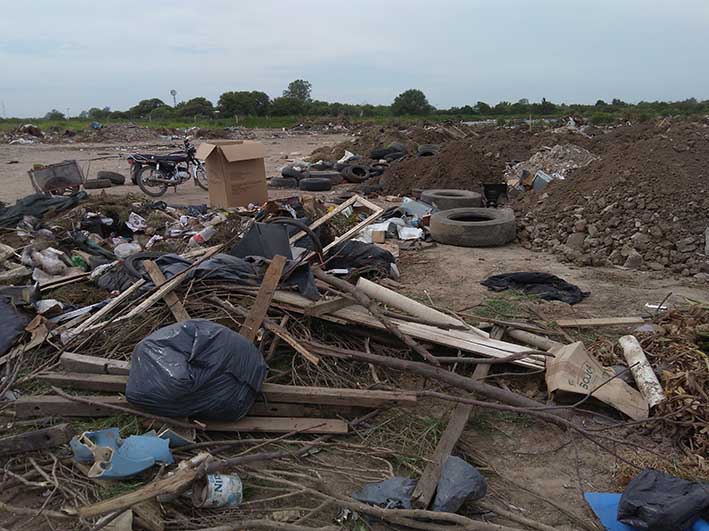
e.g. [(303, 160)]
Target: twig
[(514, 516)]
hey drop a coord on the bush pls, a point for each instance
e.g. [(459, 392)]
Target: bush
[(602, 118)]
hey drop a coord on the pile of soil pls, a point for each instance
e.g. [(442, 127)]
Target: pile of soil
[(459, 164), (644, 204), (122, 133)]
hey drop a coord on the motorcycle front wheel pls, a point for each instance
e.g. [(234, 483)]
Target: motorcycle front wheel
[(148, 183), (200, 177)]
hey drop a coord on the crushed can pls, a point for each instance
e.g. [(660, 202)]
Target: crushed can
[(218, 490)]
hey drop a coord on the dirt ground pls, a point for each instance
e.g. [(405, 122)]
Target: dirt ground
[(15, 182)]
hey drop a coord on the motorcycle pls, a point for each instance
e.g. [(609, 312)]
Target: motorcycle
[(154, 173)]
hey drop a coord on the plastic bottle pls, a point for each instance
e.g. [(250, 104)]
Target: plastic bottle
[(202, 236)]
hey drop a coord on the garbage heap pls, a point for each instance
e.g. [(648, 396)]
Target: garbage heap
[(643, 205)]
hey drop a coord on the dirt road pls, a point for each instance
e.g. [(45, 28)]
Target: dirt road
[(16, 160)]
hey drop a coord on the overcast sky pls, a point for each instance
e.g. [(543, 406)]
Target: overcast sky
[(76, 54)]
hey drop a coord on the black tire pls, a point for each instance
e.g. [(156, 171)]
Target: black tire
[(134, 171), (427, 150), (377, 169), (398, 147), (117, 179), (449, 199), (315, 184), (395, 156), (201, 178), (283, 182), (144, 183), (334, 176), (474, 227), (380, 153), (356, 173), (96, 184), (290, 171), (323, 165), (134, 263)]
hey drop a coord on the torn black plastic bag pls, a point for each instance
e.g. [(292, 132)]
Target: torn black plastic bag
[(543, 285), (655, 501), (354, 254), (198, 369), (12, 324), (393, 493), (37, 205), (460, 482), (247, 271)]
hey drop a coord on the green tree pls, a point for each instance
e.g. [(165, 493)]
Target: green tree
[(162, 113), (298, 90), (54, 115), (412, 101), (284, 106), (546, 107), (483, 108), (195, 107), (243, 103), (144, 107), (99, 114)]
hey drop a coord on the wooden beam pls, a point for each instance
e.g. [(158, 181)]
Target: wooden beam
[(36, 440), (263, 298), (272, 392), (109, 307), (170, 298), (426, 486), (339, 208), (599, 321), (280, 425), (354, 230), (326, 306), (73, 362)]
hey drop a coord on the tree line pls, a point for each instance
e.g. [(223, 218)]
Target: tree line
[(296, 100)]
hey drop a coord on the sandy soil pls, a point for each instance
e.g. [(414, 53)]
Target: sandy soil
[(15, 182)]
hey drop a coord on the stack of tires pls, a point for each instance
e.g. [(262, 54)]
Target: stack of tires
[(461, 221), (317, 178), (105, 179)]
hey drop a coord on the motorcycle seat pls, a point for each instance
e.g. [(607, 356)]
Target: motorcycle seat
[(172, 157)]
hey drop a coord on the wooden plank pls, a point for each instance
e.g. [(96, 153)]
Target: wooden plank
[(280, 425), (323, 307), (426, 486), (456, 339), (170, 298), (599, 321), (73, 362), (263, 298), (54, 406), (148, 515), (272, 392), (36, 440), (109, 307)]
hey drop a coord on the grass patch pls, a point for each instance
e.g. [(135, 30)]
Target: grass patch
[(506, 305)]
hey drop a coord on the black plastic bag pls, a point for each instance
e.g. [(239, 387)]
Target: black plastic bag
[(655, 501), (545, 286), (195, 368), (354, 254), (393, 493), (12, 324), (460, 481)]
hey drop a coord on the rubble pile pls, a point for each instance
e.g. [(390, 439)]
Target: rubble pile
[(556, 161), (643, 205)]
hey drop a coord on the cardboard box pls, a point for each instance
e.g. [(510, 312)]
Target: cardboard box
[(236, 172)]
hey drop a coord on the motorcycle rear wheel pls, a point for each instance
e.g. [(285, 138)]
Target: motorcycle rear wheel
[(148, 184), (200, 178)]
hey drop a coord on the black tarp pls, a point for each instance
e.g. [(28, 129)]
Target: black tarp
[(543, 285), (37, 205)]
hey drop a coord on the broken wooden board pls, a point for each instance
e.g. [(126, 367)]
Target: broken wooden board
[(36, 440), (427, 483), (73, 362), (57, 406), (280, 425), (272, 392), (320, 308), (171, 299), (456, 339), (258, 311), (599, 321)]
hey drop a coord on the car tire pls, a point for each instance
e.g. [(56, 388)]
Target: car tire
[(315, 184), (427, 150), (474, 227), (334, 176), (290, 171), (96, 184), (394, 156), (117, 179), (356, 173), (449, 199), (283, 182)]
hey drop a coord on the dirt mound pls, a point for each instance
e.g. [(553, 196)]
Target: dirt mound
[(644, 204), (122, 133), (459, 164)]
